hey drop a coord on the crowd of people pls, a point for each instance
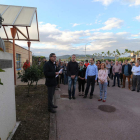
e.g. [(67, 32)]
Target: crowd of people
[(57, 72)]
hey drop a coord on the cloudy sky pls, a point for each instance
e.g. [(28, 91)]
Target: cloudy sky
[(65, 26)]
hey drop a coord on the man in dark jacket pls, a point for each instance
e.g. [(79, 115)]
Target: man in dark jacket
[(126, 71), (72, 70), (50, 74)]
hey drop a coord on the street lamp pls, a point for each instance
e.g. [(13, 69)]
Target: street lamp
[(1, 20), (85, 49)]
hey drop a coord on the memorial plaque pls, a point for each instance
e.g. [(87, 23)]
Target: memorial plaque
[(5, 63)]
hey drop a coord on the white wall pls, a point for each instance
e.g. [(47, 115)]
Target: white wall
[(7, 99)]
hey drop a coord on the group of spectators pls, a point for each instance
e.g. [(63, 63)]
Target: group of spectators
[(57, 72)]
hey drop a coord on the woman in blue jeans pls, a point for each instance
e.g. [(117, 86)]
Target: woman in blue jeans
[(102, 76)]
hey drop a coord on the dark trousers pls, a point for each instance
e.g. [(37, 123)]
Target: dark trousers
[(109, 77), (90, 81), (136, 82), (51, 91), (118, 77), (124, 79), (61, 78), (81, 85), (121, 77)]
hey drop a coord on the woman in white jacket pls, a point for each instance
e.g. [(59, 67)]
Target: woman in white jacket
[(102, 76)]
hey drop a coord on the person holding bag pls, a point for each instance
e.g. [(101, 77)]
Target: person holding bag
[(103, 76)]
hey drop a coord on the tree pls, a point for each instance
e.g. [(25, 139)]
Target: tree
[(134, 53), (30, 75), (122, 59), (69, 59), (116, 54)]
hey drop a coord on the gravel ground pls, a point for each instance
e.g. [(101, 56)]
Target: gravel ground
[(33, 113)]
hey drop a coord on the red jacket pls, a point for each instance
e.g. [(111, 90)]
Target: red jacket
[(86, 64), (25, 66)]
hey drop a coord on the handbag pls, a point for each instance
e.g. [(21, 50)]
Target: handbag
[(108, 79)]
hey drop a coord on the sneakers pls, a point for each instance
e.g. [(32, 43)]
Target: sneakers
[(99, 99), (104, 100)]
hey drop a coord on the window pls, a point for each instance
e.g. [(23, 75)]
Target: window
[(18, 61)]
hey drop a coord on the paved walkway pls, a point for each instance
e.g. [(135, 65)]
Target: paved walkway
[(81, 119)]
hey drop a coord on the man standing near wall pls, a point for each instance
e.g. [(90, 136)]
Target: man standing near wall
[(26, 64), (126, 71), (91, 77), (50, 74), (72, 70)]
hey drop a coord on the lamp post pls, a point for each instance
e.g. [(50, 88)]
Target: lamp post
[(85, 49)]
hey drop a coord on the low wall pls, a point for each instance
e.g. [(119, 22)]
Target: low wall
[(7, 99)]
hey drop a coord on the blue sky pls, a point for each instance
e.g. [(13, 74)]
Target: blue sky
[(67, 25)]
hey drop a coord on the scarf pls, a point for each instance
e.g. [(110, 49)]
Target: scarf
[(81, 67)]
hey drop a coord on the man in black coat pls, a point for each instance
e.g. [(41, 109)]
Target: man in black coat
[(50, 74), (126, 71)]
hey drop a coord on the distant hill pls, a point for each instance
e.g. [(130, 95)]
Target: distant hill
[(82, 57)]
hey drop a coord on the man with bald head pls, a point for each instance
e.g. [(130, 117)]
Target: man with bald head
[(136, 77), (117, 69)]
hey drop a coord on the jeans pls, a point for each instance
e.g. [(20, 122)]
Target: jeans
[(65, 79), (90, 81), (72, 82), (51, 92), (103, 88), (118, 77), (136, 82)]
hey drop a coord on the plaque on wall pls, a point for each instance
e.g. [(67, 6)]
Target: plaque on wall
[(5, 63)]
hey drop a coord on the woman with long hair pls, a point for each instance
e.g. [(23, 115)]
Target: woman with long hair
[(102, 76), (81, 78)]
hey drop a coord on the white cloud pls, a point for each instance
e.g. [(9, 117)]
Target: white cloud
[(112, 23), (104, 2), (89, 24), (52, 39), (137, 18), (75, 24), (132, 2)]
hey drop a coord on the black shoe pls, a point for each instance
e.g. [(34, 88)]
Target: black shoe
[(137, 90), (113, 85), (133, 89), (73, 97), (70, 98), (108, 85), (52, 111), (85, 96), (90, 97), (119, 86), (54, 106)]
